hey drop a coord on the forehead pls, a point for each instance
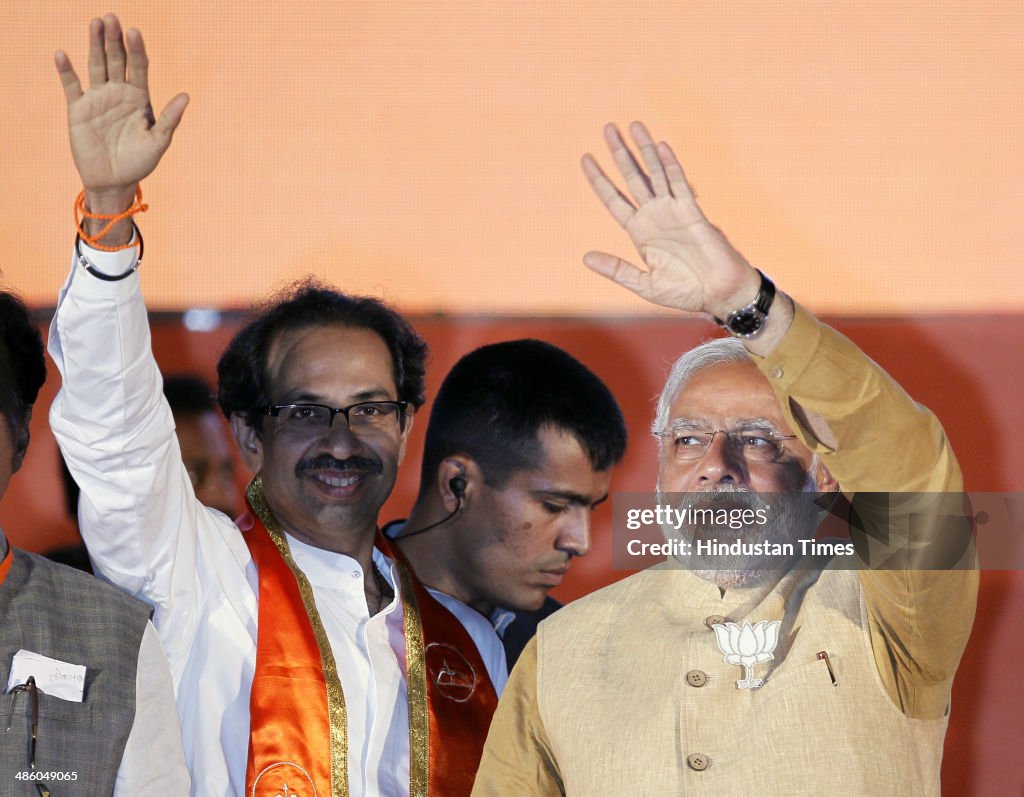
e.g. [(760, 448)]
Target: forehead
[(561, 452), (329, 362), (563, 467), (728, 393)]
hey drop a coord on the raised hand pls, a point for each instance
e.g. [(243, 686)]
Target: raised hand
[(115, 139), (690, 264)]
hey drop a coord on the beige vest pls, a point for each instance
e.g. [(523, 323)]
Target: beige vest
[(645, 704)]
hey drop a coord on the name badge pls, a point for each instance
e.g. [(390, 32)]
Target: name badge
[(54, 677)]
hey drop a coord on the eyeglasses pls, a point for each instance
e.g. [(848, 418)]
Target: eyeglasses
[(33, 696), (313, 419), (754, 444)]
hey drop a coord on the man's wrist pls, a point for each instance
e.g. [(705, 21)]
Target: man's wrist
[(741, 297), (776, 325), (110, 202)]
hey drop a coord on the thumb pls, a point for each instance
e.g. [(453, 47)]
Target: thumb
[(619, 271), (170, 117)]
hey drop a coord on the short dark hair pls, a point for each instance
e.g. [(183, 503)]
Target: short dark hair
[(242, 371), (21, 346), (496, 399), (188, 394)]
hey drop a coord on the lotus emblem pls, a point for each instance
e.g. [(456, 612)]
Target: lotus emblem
[(748, 645)]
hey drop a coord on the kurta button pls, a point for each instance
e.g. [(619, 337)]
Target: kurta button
[(356, 574), (777, 373), (698, 762), (715, 619), (696, 678)]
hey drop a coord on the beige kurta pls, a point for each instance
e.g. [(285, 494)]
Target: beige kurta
[(625, 692)]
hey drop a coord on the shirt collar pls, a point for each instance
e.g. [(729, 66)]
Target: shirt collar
[(501, 619), (332, 570)]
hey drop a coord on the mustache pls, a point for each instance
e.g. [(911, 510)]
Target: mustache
[(724, 489), (727, 496), (327, 462)]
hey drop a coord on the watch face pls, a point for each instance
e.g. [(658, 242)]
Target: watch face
[(745, 322)]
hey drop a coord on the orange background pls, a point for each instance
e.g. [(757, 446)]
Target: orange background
[(867, 156), (867, 152)]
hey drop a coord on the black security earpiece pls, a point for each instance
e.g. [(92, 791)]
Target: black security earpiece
[(457, 484)]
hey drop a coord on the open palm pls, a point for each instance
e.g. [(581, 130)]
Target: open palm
[(690, 264), (115, 140)]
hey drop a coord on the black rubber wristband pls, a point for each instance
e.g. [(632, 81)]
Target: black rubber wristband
[(83, 261)]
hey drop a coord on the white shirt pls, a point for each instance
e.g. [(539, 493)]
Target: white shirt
[(147, 533)]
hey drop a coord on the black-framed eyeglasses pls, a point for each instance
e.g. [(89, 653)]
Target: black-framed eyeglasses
[(311, 419), (33, 695), (754, 444)]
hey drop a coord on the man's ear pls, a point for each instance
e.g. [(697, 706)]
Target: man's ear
[(249, 442), (458, 479), (823, 478), (20, 440)]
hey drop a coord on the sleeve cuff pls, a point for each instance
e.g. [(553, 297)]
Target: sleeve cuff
[(111, 263), (790, 359), (83, 284)]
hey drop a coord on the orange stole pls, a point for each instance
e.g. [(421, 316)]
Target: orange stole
[(289, 725), (296, 691), (461, 696)]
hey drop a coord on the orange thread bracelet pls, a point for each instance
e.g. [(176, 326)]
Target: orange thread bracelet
[(81, 212)]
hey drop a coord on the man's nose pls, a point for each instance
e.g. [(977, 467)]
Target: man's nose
[(574, 538), (339, 440), (721, 463)]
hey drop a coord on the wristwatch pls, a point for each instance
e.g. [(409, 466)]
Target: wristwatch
[(748, 322)]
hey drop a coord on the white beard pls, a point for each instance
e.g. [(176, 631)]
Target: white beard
[(791, 517)]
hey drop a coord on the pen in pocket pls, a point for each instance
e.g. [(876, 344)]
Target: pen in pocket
[(823, 656)]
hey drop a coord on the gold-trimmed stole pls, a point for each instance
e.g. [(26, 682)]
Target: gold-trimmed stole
[(298, 737)]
